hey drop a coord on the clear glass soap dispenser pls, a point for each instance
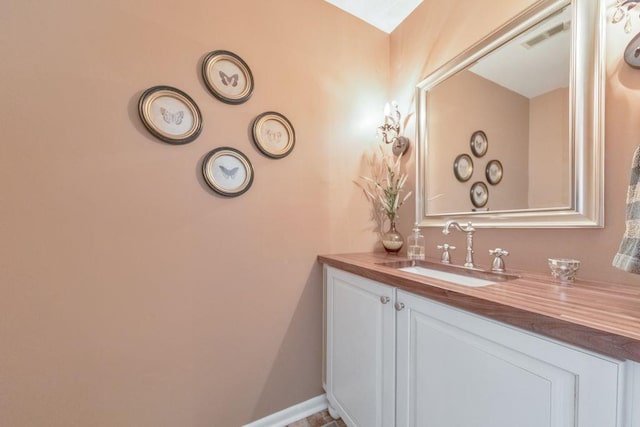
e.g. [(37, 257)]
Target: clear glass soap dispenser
[(415, 244)]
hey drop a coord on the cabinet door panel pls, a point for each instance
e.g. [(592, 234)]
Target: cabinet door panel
[(360, 350), (485, 384), (459, 369)]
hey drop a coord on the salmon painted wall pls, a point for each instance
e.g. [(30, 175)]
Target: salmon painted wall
[(549, 181), (130, 293), (437, 31)]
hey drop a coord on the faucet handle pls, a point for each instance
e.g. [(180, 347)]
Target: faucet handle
[(446, 257), (498, 262)]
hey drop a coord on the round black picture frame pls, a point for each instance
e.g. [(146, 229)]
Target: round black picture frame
[(493, 172), (479, 194), (221, 165), (479, 143), (174, 106), (273, 134), (463, 167), (222, 72)]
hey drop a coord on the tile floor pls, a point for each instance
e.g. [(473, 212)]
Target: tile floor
[(320, 419)]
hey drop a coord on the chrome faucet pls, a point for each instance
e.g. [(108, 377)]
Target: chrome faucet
[(469, 230)]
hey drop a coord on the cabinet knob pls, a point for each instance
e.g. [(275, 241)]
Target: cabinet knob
[(399, 306), (384, 299)]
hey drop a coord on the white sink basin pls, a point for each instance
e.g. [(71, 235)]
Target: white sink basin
[(471, 277), (448, 277)]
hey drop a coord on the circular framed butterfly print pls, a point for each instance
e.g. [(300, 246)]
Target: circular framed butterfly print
[(273, 134), (227, 76), (479, 194), (479, 143), (170, 114), (227, 171), (463, 167), (493, 172)]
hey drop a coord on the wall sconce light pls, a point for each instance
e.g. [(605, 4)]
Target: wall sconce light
[(390, 130)]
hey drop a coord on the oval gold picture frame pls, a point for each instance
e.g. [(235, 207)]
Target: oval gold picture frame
[(170, 114), (273, 134), (227, 77), (227, 171)]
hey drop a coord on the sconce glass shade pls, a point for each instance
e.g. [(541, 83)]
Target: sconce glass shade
[(390, 129), (623, 12)]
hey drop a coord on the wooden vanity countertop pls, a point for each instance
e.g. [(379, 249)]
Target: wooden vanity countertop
[(599, 316)]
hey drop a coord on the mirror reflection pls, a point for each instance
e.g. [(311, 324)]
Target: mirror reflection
[(509, 112)]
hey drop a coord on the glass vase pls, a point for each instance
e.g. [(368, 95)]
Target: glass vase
[(392, 240)]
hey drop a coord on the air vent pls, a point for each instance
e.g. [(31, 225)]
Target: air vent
[(563, 26)]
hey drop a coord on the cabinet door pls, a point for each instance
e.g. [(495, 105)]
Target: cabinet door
[(633, 393), (456, 369), (360, 349)]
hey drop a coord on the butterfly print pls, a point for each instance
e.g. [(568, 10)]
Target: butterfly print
[(229, 80), (229, 173), (273, 136), (170, 117)]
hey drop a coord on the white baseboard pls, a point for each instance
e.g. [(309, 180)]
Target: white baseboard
[(293, 413)]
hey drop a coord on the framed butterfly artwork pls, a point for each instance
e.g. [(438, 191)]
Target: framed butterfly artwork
[(170, 114), (479, 194), (227, 76), (227, 171), (273, 134)]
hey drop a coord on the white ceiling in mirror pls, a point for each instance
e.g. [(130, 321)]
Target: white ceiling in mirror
[(544, 50), (385, 15)]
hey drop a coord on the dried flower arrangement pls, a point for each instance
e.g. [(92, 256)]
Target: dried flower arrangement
[(384, 187)]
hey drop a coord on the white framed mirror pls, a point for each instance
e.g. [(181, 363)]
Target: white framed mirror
[(526, 104)]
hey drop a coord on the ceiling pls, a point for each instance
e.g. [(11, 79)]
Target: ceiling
[(385, 15), (513, 66), (535, 70)]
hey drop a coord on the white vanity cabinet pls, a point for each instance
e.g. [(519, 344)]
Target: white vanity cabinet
[(360, 349), (459, 369), (410, 361)]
